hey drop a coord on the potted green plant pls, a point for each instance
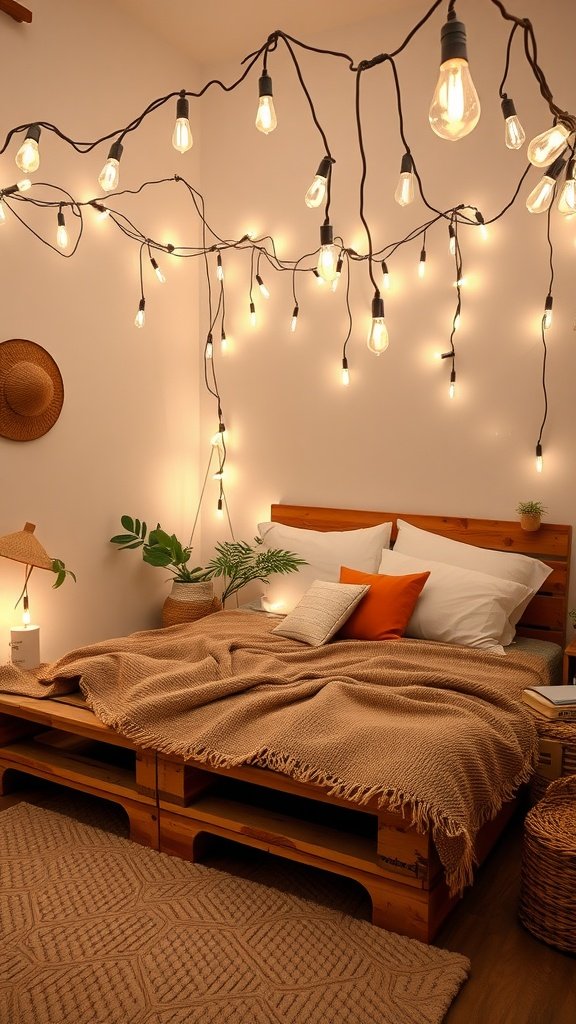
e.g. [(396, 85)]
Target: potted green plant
[(192, 595), (530, 513)]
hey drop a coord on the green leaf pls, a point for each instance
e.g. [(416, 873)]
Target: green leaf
[(127, 523), (156, 556), (122, 538), (159, 536), (137, 525), (143, 531)]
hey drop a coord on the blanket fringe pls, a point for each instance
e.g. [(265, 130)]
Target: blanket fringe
[(421, 815)]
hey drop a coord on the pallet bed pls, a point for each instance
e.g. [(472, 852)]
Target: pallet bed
[(175, 806)]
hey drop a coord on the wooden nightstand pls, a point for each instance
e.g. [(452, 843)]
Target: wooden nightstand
[(569, 663)]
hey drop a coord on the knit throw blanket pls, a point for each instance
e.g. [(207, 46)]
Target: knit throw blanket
[(435, 731)]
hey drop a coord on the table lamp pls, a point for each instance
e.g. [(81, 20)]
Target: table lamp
[(25, 639)]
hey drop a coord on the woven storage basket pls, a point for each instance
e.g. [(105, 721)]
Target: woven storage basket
[(557, 755), (548, 892), (188, 602)]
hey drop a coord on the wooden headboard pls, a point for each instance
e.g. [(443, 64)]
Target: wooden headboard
[(545, 616)]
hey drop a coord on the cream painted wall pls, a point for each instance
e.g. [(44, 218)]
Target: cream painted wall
[(394, 440), (126, 440)]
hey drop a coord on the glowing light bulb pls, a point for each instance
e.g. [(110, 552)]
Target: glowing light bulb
[(217, 440), (547, 318), (2, 213), (294, 320), (455, 107), (157, 271), (22, 186), (377, 340), (61, 232), (315, 194), (252, 315), (263, 289), (451, 240), (223, 342), (514, 133), (209, 350), (567, 197), (141, 314), (542, 194), (539, 458), (483, 229), (422, 264), (28, 156), (386, 277), (219, 268), (452, 388), (339, 266), (25, 611), (327, 259), (404, 194), (182, 136), (266, 116), (545, 147), (345, 373), (109, 176)]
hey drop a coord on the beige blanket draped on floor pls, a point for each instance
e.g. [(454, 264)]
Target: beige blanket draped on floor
[(435, 730)]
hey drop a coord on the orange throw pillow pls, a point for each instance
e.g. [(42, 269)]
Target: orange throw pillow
[(384, 612)]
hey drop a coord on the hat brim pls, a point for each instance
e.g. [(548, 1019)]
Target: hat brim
[(14, 426)]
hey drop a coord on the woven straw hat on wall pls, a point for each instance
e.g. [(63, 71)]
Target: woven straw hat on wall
[(31, 390)]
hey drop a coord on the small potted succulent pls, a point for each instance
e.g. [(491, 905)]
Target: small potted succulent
[(530, 513)]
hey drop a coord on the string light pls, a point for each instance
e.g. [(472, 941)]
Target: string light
[(542, 194), (252, 315), (157, 271), (338, 274), (326, 265), (452, 388), (545, 147), (141, 314), (209, 349), (422, 264), (25, 611), (455, 108), (266, 120), (101, 211), (567, 197), (61, 232), (539, 458), (182, 136), (514, 134), (217, 439), (223, 342), (294, 320), (263, 289), (378, 339), (219, 268), (109, 176), (386, 275), (547, 318), (28, 156), (20, 186), (483, 227), (315, 194), (451, 240), (404, 194), (345, 372)]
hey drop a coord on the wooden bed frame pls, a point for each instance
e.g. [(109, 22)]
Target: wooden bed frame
[(175, 806)]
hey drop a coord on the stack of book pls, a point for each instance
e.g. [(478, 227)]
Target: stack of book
[(554, 702)]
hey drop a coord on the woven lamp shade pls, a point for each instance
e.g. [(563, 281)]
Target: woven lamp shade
[(23, 547)]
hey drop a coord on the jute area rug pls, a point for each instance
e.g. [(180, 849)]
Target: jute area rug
[(98, 930)]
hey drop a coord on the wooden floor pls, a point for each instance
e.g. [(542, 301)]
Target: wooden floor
[(515, 979)]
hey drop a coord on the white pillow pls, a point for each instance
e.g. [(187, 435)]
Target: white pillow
[(321, 611), (458, 606), (507, 565), (325, 552)]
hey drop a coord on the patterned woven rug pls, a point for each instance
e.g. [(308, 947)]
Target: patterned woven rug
[(98, 930)]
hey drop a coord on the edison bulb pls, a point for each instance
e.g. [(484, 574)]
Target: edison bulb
[(345, 373), (539, 459), (315, 194), (567, 197), (252, 315), (404, 194), (422, 265), (161, 277), (26, 617), (182, 136), (326, 265), (548, 145), (514, 134), (141, 314), (109, 175), (294, 320), (378, 339), (264, 291), (452, 389), (28, 156), (455, 108), (61, 233), (541, 195), (266, 115)]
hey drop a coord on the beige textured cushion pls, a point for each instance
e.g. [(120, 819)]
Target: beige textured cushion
[(320, 613)]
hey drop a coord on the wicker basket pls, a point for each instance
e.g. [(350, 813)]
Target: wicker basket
[(548, 892), (557, 756), (188, 602)]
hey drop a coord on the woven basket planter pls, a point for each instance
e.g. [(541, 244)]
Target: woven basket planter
[(188, 602), (548, 892), (557, 755)]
